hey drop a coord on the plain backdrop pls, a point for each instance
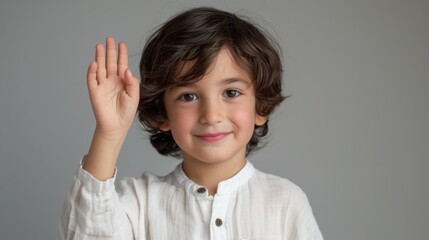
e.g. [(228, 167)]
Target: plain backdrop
[(354, 135)]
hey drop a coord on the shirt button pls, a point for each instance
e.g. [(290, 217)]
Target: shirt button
[(218, 222), (201, 190)]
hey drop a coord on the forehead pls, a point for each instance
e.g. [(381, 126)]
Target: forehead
[(222, 66)]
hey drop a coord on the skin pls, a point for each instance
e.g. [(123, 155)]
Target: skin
[(114, 95), (211, 120)]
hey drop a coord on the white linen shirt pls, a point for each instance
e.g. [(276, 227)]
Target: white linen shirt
[(249, 205)]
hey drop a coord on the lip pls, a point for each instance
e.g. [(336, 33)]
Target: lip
[(213, 137)]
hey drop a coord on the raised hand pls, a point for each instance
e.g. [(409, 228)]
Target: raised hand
[(114, 94), (113, 90)]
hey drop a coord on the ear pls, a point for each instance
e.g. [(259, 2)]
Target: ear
[(260, 120), (165, 126)]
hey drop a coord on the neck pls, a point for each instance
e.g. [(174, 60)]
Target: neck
[(210, 175)]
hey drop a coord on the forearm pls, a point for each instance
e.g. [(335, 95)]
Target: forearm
[(93, 210), (103, 154)]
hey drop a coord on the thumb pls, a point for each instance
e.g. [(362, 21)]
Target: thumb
[(131, 85)]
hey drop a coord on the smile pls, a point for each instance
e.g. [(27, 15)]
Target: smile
[(213, 137)]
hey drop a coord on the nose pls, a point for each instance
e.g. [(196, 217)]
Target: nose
[(211, 111)]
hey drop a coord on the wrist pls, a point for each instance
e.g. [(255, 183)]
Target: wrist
[(112, 137), (103, 153)]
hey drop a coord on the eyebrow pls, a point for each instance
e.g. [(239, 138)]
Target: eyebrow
[(239, 80)]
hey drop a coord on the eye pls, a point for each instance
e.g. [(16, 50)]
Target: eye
[(232, 93), (188, 97)]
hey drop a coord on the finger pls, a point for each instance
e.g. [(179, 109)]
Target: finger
[(91, 77), (122, 59), (100, 59), (111, 61), (131, 84)]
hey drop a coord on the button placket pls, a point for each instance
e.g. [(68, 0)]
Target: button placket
[(220, 207)]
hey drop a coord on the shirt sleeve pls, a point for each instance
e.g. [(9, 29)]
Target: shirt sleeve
[(306, 226), (92, 210)]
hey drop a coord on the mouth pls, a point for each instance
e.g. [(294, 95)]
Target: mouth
[(213, 137)]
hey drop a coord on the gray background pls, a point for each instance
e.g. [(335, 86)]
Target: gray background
[(354, 135)]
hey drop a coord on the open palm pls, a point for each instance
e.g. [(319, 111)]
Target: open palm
[(113, 90)]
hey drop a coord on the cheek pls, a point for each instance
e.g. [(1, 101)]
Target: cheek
[(181, 120), (244, 115)]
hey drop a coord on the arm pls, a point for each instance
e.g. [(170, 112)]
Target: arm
[(93, 209), (114, 95)]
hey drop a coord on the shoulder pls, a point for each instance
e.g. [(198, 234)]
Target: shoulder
[(290, 203), (147, 183), (279, 190), (276, 184)]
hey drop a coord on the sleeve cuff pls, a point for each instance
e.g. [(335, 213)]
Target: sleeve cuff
[(93, 184)]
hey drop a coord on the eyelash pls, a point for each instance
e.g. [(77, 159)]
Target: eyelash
[(235, 91), (183, 96), (227, 93)]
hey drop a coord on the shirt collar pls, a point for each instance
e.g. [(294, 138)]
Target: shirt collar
[(224, 187)]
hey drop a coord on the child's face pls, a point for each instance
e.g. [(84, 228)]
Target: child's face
[(212, 120)]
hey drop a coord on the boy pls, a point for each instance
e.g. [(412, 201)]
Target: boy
[(209, 81)]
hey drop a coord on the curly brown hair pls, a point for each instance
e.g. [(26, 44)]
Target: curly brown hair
[(197, 35)]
